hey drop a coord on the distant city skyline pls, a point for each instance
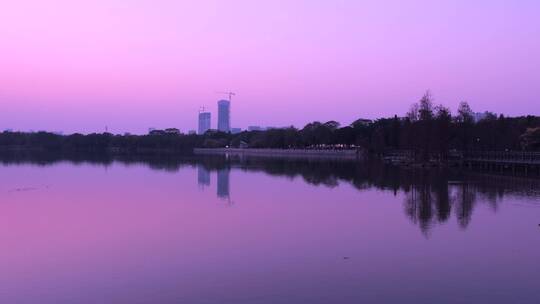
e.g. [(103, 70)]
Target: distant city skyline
[(79, 66), (205, 122), (224, 115)]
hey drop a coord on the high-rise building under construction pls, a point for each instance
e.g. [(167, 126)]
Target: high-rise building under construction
[(224, 116), (204, 122)]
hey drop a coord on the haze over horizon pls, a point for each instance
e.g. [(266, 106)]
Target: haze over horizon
[(78, 66)]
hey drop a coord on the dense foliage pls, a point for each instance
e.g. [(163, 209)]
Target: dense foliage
[(426, 129), (98, 142)]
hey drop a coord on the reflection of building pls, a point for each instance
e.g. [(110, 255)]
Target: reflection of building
[(223, 183), (224, 115), (204, 122), (203, 176)]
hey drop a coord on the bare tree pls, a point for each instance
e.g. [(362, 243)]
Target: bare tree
[(413, 112), (465, 114), (425, 110)]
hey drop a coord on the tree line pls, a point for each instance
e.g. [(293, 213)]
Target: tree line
[(426, 129)]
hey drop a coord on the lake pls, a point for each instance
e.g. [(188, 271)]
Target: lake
[(223, 230)]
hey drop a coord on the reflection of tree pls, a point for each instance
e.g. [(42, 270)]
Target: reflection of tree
[(418, 207), (429, 194), (442, 198), (427, 199), (466, 198)]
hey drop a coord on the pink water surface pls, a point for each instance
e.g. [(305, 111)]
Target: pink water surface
[(130, 234)]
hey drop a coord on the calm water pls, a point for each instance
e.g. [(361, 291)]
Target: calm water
[(253, 231)]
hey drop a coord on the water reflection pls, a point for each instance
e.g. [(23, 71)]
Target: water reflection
[(203, 176), (430, 196), (113, 231), (223, 183)]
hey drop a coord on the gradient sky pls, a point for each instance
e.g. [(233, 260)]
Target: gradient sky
[(73, 66)]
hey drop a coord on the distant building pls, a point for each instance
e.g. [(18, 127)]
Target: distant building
[(156, 132), (255, 128), (478, 116), (236, 130), (204, 122), (192, 132), (173, 131), (224, 116)]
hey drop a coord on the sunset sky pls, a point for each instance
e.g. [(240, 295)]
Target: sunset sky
[(78, 66)]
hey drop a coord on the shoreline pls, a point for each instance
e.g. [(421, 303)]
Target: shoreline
[(349, 154)]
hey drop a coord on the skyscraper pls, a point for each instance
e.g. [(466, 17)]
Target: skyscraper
[(204, 122), (224, 116)]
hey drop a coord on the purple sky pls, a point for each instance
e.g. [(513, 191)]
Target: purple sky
[(132, 64)]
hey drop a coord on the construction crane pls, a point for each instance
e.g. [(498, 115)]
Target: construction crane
[(231, 94)]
